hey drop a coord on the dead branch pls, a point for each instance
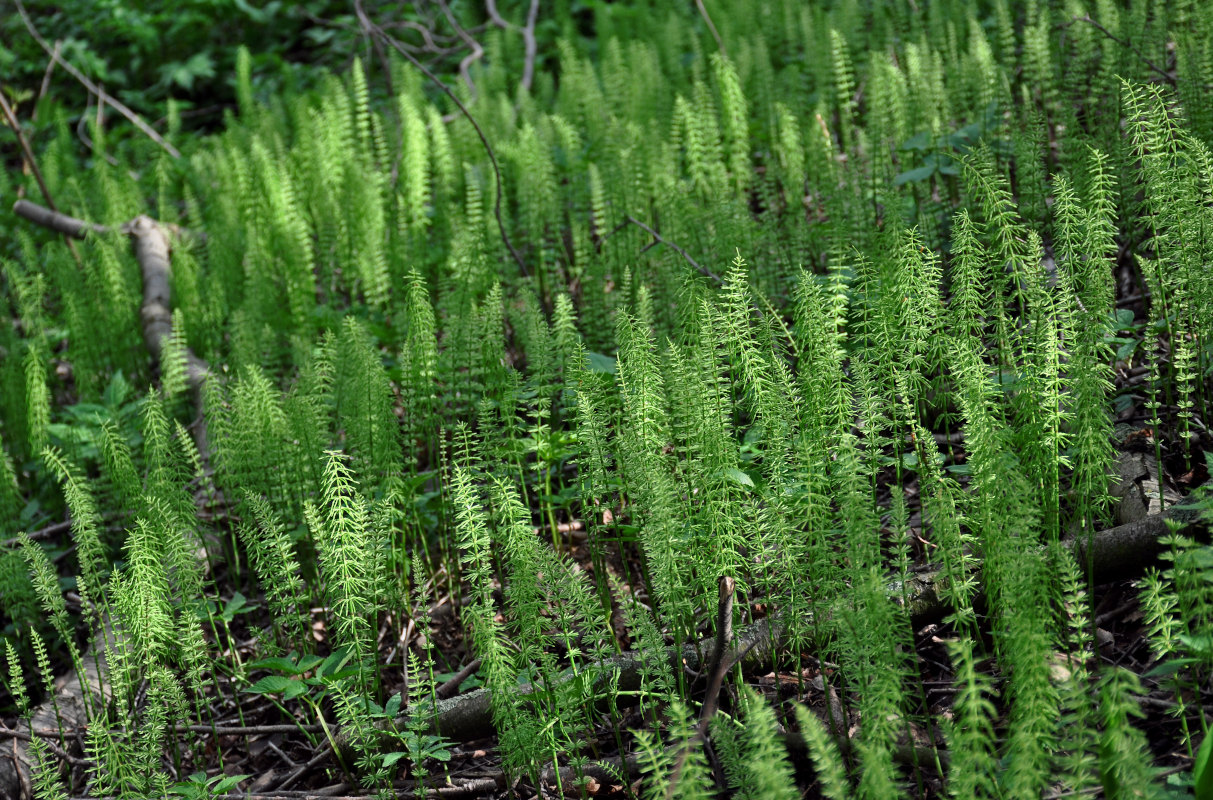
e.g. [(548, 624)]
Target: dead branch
[(488, 148), (703, 12), (56, 220), (450, 687), (528, 38), (101, 94), (720, 664), (377, 46), (54, 529), (465, 65), (657, 236), (50, 745), (150, 241), (1126, 44), (1112, 552)]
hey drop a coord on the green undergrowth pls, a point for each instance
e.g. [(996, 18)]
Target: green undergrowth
[(880, 330)]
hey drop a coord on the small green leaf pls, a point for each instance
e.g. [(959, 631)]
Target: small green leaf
[(308, 662), (597, 362), (273, 684), (739, 477), (393, 705), (914, 175), (919, 141), (277, 664), (391, 758), (1202, 772), (222, 786), (336, 660), (1169, 667), (1200, 645)]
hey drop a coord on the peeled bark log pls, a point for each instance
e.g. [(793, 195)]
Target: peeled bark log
[(150, 242)]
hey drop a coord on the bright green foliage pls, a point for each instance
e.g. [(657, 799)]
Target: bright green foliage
[(971, 735), (1123, 752), (831, 772), (348, 554), (687, 756), (879, 323), (754, 758)]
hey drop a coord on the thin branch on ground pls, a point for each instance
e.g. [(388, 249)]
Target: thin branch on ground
[(528, 38), (452, 686), (100, 93), (251, 730), (657, 236), (325, 750), (56, 751), (399, 48), (11, 118)]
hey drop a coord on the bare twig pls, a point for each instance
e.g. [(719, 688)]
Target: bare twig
[(251, 730), (56, 220), (703, 12), (11, 118), (45, 88), (59, 753), (101, 94), (528, 37), (465, 65), (377, 46), (675, 248), (82, 124), (42, 533), (1126, 43), (428, 35), (450, 687), (722, 661), (304, 769), (396, 45)]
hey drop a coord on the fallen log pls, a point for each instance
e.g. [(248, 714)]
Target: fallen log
[(1114, 553), (151, 244)]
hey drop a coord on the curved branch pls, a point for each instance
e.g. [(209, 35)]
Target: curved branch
[(528, 37), (102, 95), (488, 148), (465, 65)]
